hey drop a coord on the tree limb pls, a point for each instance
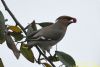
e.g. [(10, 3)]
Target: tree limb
[(12, 15)]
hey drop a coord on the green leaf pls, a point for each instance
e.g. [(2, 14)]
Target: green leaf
[(66, 59), (53, 58), (28, 54), (2, 20), (11, 45), (44, 24), (1, 64), (46, 65), (15, 29), (2, 28), (17, 36)]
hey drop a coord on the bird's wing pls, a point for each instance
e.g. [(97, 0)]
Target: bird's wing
[(33, 33), (47, 34), (50, 37)]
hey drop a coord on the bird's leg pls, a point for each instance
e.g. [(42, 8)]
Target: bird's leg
[(49, 52), (44, 52), (39, 58), (56, 47), (61, 65)]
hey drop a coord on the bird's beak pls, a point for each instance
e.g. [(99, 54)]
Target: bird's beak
[(73, 20)]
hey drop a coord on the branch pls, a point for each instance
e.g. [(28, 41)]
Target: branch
[(18, 23), (45, 56), (12, 15)]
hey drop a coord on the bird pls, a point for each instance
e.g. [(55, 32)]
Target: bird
[(50, 35)]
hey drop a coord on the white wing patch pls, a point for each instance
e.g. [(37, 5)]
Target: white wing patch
[(42, 38)]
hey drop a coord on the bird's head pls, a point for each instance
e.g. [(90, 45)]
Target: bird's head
[(66, 20)]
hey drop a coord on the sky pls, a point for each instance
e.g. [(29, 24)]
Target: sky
[(81, 40)]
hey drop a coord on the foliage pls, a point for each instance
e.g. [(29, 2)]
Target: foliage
[(2, 28), (27, 53), (11, 45), (16, 34), (46, 65), (66, 59), (15, 29), (1, 64)]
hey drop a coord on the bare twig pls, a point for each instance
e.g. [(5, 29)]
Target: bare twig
[(12, 15)]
